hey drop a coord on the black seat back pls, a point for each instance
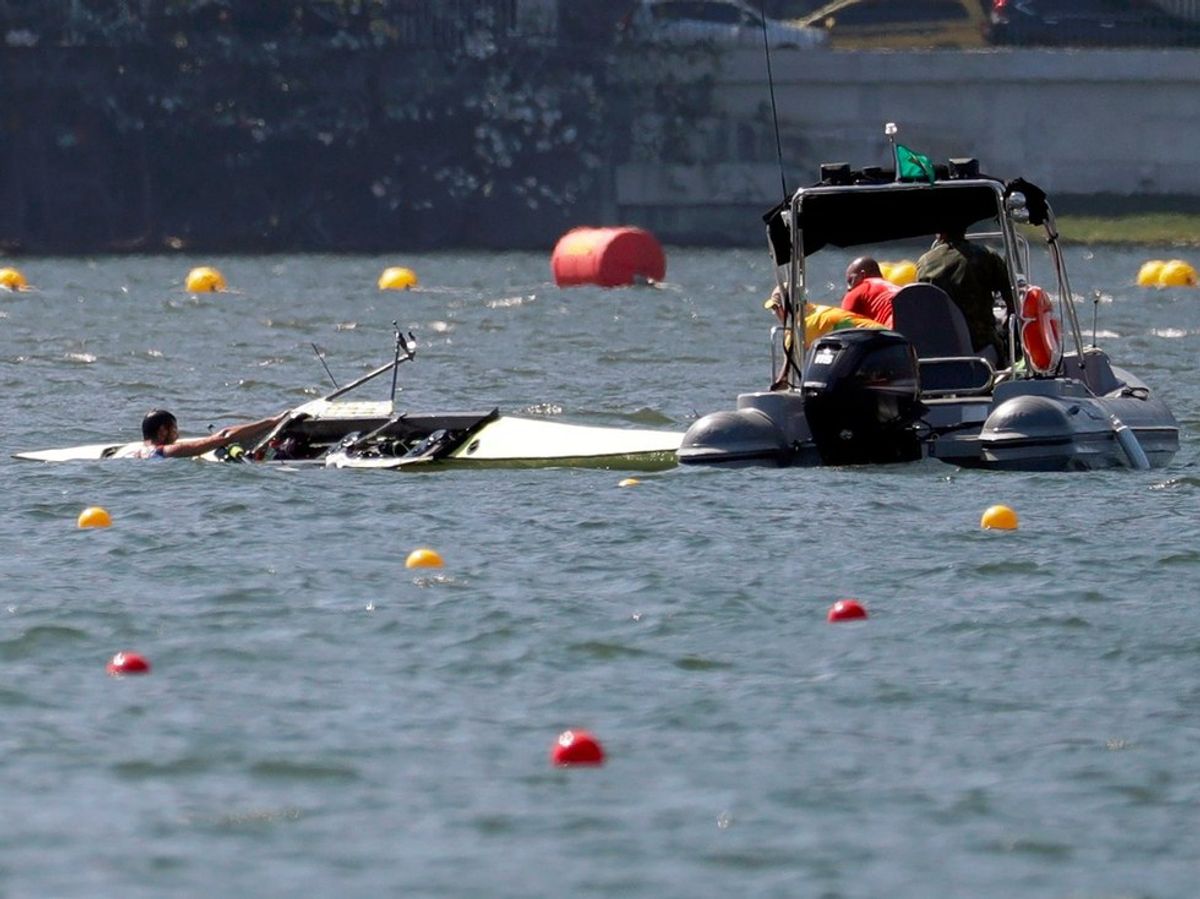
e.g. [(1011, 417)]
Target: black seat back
[(925, 314)]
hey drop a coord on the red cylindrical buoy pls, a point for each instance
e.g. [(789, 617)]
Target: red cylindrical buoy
[(576, 747), (846, 610), (128, 663), (607, 257)]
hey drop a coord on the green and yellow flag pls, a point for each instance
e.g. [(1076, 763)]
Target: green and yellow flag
[(912, 166)]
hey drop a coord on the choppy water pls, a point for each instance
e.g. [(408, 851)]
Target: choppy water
[(1018, 717)]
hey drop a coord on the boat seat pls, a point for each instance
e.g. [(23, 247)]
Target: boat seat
[(1096, 371), (955, 376), (937, 329), (925, 314)]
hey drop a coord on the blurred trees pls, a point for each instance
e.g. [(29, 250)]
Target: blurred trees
[(309, 124)]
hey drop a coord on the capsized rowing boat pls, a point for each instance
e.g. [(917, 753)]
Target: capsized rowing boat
[(336, 433), (334, 437)]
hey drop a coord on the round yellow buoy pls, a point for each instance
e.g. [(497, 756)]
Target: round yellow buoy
[(423, 558), (11, 279), (629, 482), (1147, 275), (204, 280), (1177, 273), (94, 517), (885, 270), (902, 272), (397, 278), (999, 518)]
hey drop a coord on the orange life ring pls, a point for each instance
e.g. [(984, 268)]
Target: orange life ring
[(1041, 333)]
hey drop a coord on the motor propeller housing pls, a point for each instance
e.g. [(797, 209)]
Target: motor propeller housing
[(861, 396)]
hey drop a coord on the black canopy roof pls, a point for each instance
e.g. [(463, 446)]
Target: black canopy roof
[(854, 208), (867, 214)]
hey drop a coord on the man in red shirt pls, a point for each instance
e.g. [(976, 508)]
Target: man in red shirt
[(868, 294)]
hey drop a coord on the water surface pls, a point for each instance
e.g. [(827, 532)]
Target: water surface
[(1017, 717)]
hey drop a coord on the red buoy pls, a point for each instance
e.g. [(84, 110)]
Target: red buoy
[(127, 663), (607, 257), (576, 747), (846, 610)]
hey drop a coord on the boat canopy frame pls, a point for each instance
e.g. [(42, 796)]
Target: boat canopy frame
[(850, 209)]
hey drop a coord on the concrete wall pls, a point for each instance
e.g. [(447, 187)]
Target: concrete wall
[(1188, 9), (1124, 122)]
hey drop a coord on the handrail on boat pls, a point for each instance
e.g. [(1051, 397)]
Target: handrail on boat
[(1066, 299)]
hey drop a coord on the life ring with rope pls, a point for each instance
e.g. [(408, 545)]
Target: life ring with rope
[(1041, 333)]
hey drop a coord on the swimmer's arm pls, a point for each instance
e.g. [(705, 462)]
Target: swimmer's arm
[(198, 446)]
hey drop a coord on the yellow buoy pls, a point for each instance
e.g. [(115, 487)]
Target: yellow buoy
[(1177, 273), (999, 518), (629, 482), (423, 557), (885, 270), (902, 272), (11, 279), (94, 517), (1147, 275), (397, 278), (204, 280)]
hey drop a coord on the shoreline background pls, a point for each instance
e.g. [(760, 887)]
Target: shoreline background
[(1137, 229), (217, 137)]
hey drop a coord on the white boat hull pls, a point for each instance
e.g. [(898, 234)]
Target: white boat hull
[(91, 452), (510, 441), (505, 441)]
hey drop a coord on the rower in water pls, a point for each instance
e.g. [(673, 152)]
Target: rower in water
[(160, 437)]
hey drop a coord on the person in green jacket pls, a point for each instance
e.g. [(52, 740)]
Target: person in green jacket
[(973, 276)]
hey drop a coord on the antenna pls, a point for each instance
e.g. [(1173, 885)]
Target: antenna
[(890, 131), (762, 15)]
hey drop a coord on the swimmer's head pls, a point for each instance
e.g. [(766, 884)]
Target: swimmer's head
[(156, 420)]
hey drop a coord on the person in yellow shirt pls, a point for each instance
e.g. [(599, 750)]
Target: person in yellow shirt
[(819, 320)]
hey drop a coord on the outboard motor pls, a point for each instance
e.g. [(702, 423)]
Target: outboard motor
[(861, 391)]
